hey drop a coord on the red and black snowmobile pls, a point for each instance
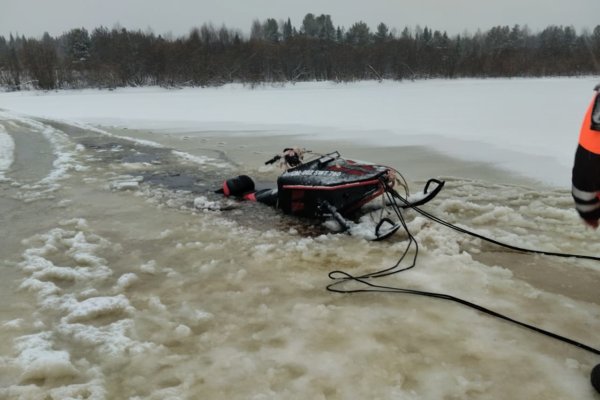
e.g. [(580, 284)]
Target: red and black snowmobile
[(330, 186)]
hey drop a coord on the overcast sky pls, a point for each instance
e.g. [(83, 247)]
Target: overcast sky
[(34, 17)]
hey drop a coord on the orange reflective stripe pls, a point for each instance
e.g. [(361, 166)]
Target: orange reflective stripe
[(589, 139)]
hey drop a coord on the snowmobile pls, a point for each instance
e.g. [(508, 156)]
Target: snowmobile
[(329, 186)]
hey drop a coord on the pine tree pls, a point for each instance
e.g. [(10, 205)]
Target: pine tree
[(382, 34), (359, 34), (256, 31), (324, 27), (271, 30), (287, 30), (309, 26), (78, 45)]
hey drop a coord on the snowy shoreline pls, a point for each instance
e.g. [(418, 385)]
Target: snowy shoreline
[(527, 126)]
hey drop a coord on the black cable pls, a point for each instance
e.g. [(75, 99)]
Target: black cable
[(487, 239), (390, 289), (341, 277)]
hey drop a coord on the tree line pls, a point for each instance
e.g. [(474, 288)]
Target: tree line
[(277, 51)]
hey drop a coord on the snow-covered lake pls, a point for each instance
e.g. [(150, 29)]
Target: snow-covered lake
[(121, 278)]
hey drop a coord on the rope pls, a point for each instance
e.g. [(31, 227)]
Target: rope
[(341, 277)]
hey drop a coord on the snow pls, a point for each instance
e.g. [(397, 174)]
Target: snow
[(63, 157), (98, 306), (40, 361), (124, 185), (127, 280), (198, 159), (529, 126), (7, 148), (202, 203)]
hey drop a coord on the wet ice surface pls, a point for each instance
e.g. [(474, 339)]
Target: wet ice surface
[(123, 279)]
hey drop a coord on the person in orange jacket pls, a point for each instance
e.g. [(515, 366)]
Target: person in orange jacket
[(586, 180), (586, 168)]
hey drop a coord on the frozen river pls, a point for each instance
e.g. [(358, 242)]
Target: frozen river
[(121, 278)]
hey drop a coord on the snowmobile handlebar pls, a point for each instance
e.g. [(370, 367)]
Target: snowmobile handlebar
[(272, 160), (293, 156)]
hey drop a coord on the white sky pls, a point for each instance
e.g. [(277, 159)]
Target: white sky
[(34, 17)]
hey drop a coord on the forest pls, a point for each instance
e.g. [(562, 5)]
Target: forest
[(276, 51)]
